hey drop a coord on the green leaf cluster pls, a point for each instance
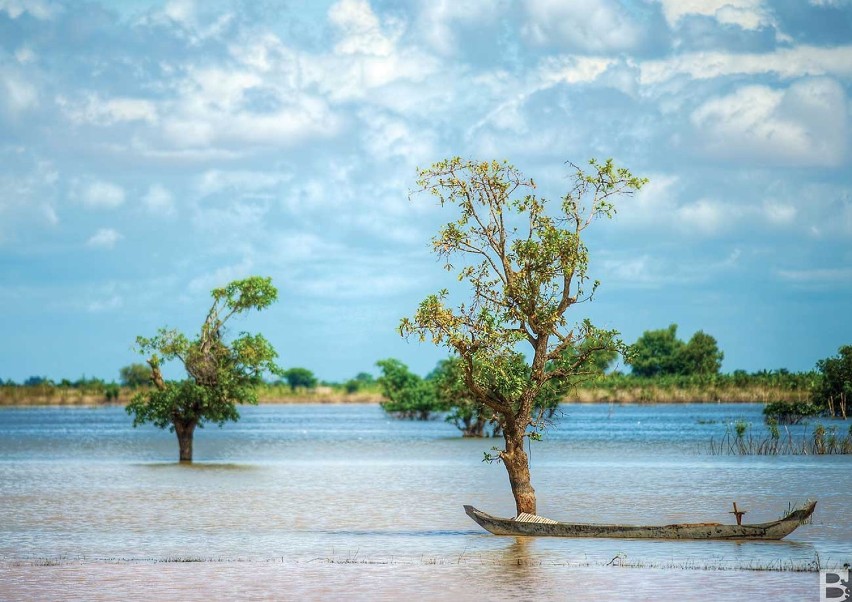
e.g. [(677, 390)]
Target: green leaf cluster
[(834, 390), (220, 374), (660, 353), (135, 375), (300, 378), (408, 395)]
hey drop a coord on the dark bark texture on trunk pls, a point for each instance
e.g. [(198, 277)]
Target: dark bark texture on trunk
[(517, 465), (184, 434)]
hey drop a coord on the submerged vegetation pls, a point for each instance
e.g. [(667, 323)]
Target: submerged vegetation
[(737, 440)]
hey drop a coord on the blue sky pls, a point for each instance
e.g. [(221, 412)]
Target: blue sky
[(150, 151)]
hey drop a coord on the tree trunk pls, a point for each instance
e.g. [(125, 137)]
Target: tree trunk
[(184, 434), (474, 426), (518, 466)]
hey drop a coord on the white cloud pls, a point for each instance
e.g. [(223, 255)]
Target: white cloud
[(359, 282), (293, 248), (664, 205), (802, 125), (180, 11), (108, 112), (209, 280), (243, 182), (510, 113), (573, 69), (360, 29), (653, 204), (232, 228), (49, 213), (437, 19), (818, 276), (40, 9), (99, 194), (106, 297), (267, 53), (661, 270), (386, 136), (28, 191), (748, 14), (25, 55), (598, 26), (186, 21), (158, 200), (640, 271), (707, 216), (368, 58), (787, 63), (831, 3), (104, 238), (779, 213), (214, 107), (18, 94)]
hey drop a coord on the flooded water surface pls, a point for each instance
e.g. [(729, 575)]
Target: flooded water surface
[(311, 501)]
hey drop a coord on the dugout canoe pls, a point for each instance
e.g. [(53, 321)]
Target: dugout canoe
[(537, 526)]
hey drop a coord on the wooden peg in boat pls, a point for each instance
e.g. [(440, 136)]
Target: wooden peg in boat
[(738, 514)]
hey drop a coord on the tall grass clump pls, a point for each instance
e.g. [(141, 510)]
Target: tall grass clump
[(739, 441)]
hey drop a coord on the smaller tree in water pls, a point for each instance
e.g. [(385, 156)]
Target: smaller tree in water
[(408, 395), (300, 378), (526, 264), (661, 353), (221, 374), (834, 390)]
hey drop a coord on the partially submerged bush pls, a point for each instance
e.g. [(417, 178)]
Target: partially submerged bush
[(784, 412)]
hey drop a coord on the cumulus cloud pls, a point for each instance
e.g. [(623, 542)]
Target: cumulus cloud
[(99, 194), (215, 107), (596, 26), (104, 238), (665, 206), (802, 125), (368, 58)]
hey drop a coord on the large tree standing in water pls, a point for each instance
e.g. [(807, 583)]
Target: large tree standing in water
[(220, 374), (525, 263)]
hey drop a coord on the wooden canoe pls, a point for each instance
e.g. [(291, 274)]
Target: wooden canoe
[(536, 526)]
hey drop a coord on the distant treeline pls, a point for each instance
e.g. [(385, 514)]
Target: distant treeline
[(663, 370), (43, 388)]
